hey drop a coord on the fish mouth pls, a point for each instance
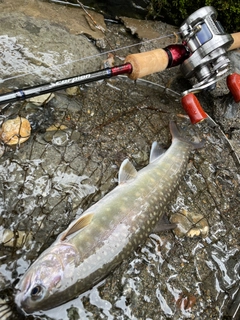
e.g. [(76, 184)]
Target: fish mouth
[(20, 311), (22, 306)]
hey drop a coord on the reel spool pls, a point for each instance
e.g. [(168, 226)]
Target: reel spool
[(207, 43)]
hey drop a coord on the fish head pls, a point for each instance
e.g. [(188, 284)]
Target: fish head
[(43, 284)]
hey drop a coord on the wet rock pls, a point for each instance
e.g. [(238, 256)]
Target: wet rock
[(74, 19), (116, 8), (49, 54), (136, 27)]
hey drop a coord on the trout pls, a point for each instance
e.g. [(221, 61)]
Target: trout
[(107, 232)]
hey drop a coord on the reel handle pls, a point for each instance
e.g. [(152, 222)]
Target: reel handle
[(233, 83), (193, 108)]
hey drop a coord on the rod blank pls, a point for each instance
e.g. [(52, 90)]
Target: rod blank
[(30, 92)]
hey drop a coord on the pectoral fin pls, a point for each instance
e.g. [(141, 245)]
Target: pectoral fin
[(80, 223), (163, 225)]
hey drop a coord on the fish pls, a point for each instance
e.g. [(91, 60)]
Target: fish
[(108, 232)]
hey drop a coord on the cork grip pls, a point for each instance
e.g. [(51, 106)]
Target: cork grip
[(236, 41), (147, 63)]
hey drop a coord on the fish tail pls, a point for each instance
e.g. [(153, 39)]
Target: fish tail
[(176, 135)]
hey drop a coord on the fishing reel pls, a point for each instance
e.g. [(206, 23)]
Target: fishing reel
[(207, 43)]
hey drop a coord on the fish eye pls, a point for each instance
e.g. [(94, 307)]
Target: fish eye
[(36, 291)]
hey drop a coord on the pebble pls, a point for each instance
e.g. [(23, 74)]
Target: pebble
[(189, 224), (43, 98), (15, 131), (17, 239)]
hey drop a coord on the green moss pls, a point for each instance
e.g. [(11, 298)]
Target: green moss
[(177, 11)]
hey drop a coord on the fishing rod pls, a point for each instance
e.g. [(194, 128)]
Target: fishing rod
[(202, 54)]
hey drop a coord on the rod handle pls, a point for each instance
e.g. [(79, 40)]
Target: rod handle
[(156, 60), (236, 41), (147, 63)]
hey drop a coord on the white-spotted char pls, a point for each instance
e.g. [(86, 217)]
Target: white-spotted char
[(107, 232)]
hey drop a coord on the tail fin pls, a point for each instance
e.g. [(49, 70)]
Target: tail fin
[(177, 135)]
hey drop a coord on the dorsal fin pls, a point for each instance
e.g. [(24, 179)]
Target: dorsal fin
[(156, 151), (127, 171), (80, 223)]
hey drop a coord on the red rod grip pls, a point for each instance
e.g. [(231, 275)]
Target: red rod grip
[(123, 69), (193, 108), (233, 83)]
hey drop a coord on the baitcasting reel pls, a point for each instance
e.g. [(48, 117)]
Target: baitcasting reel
[(207, 43)]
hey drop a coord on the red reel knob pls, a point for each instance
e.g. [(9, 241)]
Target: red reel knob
[(193, 108), (233, 83)]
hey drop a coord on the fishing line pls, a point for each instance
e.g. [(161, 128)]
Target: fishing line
[(114, 50), (94, 55)]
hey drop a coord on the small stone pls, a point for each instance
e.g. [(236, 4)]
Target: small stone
[(43, 98), (73, 91), (56, 127), (9, 238), (109, 62), (15, 131), (189, 224)]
